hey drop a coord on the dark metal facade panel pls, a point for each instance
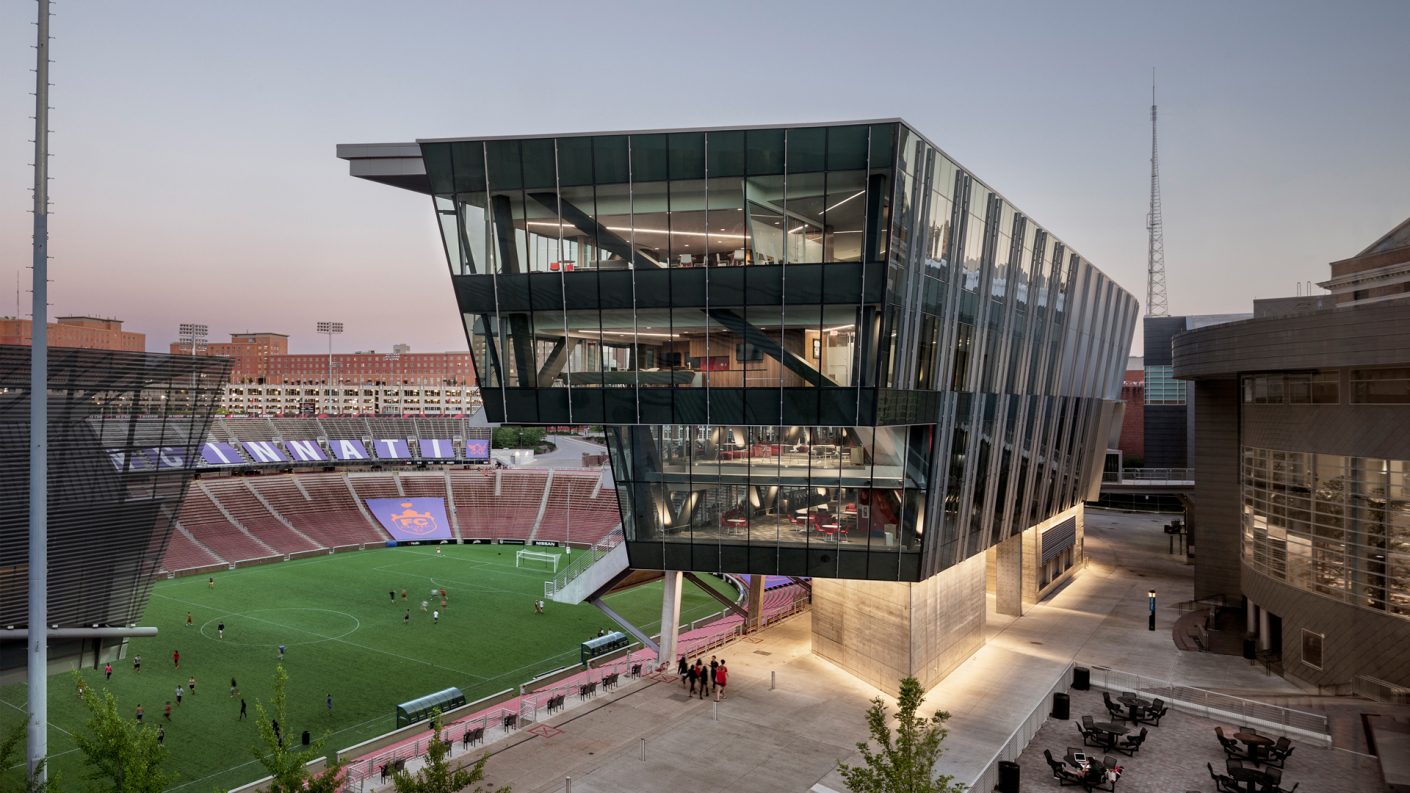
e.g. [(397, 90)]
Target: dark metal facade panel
[(1375, 335), (1216, 529), (1356, 641), (123, 434), (1059, 538), (1380, 431), (1159, 331), (1166, 436)]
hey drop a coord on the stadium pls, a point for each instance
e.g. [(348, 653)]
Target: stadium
[(258, 557)]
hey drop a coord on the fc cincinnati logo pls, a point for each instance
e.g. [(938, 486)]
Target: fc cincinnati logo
[(413, 522)]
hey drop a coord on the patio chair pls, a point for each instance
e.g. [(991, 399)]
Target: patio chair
[(1117, 711), (1278, 752), (1132, 743), (1153, 714), (1091, 737), (1272, 778), (1223, 782), (1231, 746), (1060, 771)]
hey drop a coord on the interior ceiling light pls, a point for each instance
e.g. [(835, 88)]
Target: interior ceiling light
[(639, 230), (843, 201)]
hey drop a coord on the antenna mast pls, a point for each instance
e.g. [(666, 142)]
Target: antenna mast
[(1157, 304)]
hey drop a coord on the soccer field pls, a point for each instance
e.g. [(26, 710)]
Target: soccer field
[(346, 638)]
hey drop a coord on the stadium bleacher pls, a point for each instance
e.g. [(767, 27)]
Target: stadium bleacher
[(232, 520), (207, 524), (572, 513)]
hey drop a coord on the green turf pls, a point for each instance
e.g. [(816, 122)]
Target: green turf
[(344, 637)]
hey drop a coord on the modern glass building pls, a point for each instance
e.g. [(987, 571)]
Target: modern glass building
[(819, 350)]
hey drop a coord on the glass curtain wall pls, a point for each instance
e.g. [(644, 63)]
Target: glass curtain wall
[(1329, 524)]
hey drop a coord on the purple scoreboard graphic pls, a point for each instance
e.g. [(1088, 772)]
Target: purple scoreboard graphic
[(412, 519)]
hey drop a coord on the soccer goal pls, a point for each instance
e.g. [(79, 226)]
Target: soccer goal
[(536, 560)]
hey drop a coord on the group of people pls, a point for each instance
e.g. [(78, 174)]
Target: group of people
[(703, 679), (425, 604)]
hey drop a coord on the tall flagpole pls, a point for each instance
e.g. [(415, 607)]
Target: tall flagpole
[(38, 659)]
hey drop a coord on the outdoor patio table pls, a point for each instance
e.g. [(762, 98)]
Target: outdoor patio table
[(1257, 744), (1133, 704), (1113, 731)]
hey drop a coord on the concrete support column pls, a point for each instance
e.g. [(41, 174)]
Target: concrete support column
[(755, 603), (1265, 636), (670, 617), (1251, 618), (1008, 576)]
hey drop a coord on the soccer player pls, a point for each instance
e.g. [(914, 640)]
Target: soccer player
[(137, 663), (392, 595), (210, 583), (234, 689), (406, 620), (176, 658), (191, 684), (242, 709), (436, 617), (188, 619), (140, 713), (220, 630), (424, 604), (161, 735), (329, 702), (179, 693), (166, 711), (108, 670), (281, 651)]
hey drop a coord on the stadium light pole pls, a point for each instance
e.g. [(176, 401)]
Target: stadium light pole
[(193, 334), (37, 670), (330, 329)]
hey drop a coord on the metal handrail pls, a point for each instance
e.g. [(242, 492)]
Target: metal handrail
[(580, 563), (1202, 698)]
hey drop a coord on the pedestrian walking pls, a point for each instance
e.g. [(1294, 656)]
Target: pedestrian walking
[(702, 672), (436, 617), (108, 670), (329, 703), (166, 711), (242, 709), (161, 735), (392, 595), (692, 674), (713, 666), (188, 619), (683, 669), (220, 630), (281, 651), (140, 713), (191, 684), (179, 693), (234, 689), (137, 663), (176, 658), (721, 678)]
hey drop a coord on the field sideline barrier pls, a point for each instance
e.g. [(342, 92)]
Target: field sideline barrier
[(395, 736), (314, 767)]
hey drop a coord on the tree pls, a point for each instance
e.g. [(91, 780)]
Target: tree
[(282, 759), (123, 755), (437, 776), (10, 744), (905, 763)]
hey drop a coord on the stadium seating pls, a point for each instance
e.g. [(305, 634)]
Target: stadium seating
[(245, 506), (573, 514), (182, 553), (200, 516), (344, 427), (241, 519), (250, 429), (327, 514)]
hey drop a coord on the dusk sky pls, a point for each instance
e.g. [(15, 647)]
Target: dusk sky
[(194, 176)]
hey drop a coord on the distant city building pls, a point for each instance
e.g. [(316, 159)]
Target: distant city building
[(85, 333), (431, 399), (1302, 481), (264, 359), (1379, 273), (1167, 417)]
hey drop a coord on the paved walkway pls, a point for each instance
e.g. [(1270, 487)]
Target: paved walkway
[(1175, 754), (791, 738)]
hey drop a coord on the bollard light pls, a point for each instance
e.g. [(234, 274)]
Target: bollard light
[(1150, 625)]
